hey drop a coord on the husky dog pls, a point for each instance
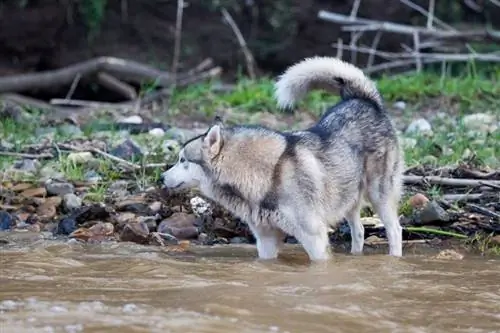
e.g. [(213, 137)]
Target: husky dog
[(300, 182)]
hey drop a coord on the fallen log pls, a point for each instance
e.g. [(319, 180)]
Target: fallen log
[(126, 70)]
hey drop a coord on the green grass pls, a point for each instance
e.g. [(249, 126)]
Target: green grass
[(467, 92)]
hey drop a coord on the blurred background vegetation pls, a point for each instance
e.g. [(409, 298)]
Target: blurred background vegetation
[(46, 34)]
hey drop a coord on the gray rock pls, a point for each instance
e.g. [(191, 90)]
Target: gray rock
[(135, 119), (71, 201), (80, 157), (28, 165), (157, 132), (479, 121), (49, 172), (400, 105), (118, 188), (127, 150), (431, 213), (57, 188), (419, 126), (92, 177)]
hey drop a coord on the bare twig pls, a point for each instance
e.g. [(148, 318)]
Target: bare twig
[(464, 197), (416, 48), (178, 37), (447, 181), (74, 84), (491, 57), (375, 42), (25, 155), (429, 14), (355, 8), (90, 104), (125, 163), (483, 211), (112, 83), (362, 24), (243, 44)]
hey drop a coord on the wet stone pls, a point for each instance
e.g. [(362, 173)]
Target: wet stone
[(127, 150), (95, 212), (66, 226), (238, 240), (134, 206), (56, 188), (34, 192), (135, 232), (179, 233), (6, 221), (431, 213)]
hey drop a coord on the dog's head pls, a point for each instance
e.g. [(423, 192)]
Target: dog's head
[(193, 167)]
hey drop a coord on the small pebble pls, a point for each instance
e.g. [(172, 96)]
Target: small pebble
[(419, 126), (80, 157), (135, 119), (158, 132), (400, 105)]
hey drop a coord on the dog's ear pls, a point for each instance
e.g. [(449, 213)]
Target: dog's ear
[(213, 140)]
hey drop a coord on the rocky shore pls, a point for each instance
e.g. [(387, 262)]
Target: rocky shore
[(101, 187)]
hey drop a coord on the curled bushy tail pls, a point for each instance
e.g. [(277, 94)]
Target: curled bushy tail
[(324, 72)]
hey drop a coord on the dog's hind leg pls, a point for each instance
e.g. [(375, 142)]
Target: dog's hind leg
[(384, 194), (268, 240), (357, 229)]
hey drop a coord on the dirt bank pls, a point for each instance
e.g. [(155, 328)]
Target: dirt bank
[(38, 35)]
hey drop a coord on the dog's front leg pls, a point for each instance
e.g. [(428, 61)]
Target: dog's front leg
[(268, 240)]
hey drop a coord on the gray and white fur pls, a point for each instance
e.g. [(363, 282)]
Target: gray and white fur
[(300, 182)]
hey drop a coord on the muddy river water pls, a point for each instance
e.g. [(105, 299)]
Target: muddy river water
[(54, 287)]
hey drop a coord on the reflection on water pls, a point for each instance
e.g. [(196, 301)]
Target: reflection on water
[(127, 288)]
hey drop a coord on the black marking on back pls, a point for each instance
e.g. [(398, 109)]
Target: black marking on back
[(270, 200)]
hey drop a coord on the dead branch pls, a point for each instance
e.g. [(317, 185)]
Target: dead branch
[(371, 25), (448, 181), (126, 70), (492, 57), (464, 197), (178, 37), (483, 211), (25, 155), (243, 44), (112, 83)]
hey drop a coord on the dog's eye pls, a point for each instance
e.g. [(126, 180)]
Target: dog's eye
[(182, 160)]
